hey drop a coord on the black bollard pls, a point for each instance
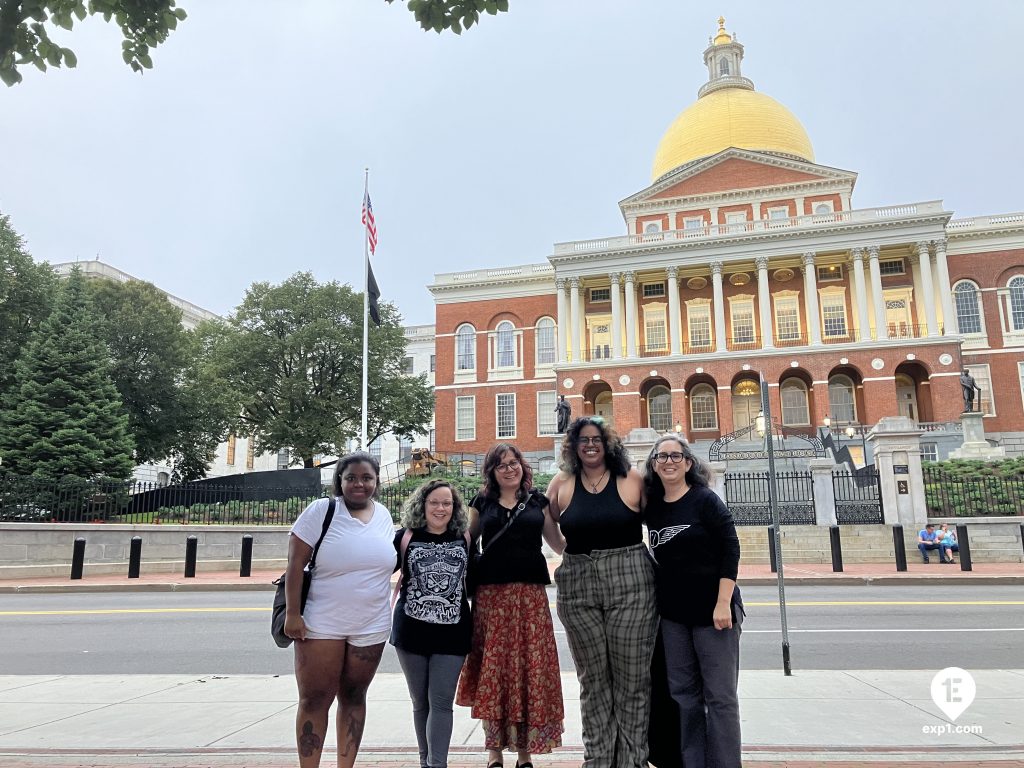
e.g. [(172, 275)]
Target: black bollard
[(1022, 536), (246, 569), (135, 557), (771, 549), (900, 546), (191, 549), (837, 549), (78, 559), (964, 540)]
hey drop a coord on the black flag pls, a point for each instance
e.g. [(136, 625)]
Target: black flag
[(374, 293)]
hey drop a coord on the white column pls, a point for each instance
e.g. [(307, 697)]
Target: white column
[(574, 310), (630, 279), (881, 329), (799, 206), (844, 200), (713, 211), (673, 310), (928, 288), (716, 280), (764, 303), (616, 316), (945, 289), (811, 299), (863, 319), (563, 317)]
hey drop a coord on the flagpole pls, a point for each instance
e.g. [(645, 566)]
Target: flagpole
[(366, 315)]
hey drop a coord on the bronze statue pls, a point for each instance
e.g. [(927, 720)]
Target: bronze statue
[(564, 411), (968, 385)]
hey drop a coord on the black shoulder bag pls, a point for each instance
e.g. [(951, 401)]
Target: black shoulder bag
[(277, 615)]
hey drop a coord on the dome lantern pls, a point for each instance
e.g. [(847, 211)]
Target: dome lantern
[(723, 57)]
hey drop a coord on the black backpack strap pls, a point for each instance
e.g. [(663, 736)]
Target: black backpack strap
[(323, 531)]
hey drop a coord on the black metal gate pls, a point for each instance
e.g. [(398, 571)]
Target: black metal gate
[(747, 496), (858, 497)]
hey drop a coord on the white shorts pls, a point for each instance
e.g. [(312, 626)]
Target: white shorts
[(359, 641)]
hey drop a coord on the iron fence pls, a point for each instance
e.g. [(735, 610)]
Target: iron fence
[(976, 496), (747, 495), (858, 497)]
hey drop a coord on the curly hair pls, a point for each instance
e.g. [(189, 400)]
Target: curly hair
[(414, 513), (615, 456), (348, 460), (491, 488), (699, 474)]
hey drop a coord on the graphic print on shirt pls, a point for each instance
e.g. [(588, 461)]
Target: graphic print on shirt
[(434, 594), (665, 535)]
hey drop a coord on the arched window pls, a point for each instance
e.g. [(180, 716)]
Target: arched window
[(659, 409), (1016, 286), (703, 408), (723, 66), (465, 348), (822, 208), (545, 341), (968, 313), (506, 345), (842, 403), (794, 403)]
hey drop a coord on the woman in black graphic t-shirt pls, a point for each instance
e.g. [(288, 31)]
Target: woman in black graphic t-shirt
[(432, 623)]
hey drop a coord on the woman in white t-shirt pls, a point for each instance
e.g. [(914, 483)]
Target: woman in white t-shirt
[(341, 633)]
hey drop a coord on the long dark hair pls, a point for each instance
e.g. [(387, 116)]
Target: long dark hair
[(348, 460), (699, 474), (615, 456), (491, 488)]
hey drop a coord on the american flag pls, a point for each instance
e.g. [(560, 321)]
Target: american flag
[(369, 223)]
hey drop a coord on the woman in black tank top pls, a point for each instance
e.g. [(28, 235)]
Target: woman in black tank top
[(605, 592)]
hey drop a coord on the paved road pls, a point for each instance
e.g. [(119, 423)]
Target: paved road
[(974, 627)]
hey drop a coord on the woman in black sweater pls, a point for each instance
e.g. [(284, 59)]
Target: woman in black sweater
[(694, 541)]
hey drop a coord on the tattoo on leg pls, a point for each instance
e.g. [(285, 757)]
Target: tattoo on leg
[(353, 734), (309, 742), (368, 653)]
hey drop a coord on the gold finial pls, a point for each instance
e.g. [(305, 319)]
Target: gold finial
[(722, 37)]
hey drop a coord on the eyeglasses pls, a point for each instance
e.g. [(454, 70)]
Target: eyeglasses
[(664, 458), (589, 440), (512, 466), (444, 504)]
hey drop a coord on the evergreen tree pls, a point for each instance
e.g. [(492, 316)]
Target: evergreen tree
[(64, 419)]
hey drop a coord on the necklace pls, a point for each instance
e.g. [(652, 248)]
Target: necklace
[(592, 484)]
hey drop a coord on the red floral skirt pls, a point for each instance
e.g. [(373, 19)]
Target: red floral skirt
[(511, 678)]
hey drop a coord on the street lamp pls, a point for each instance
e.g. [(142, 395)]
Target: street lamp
[(826, 426), (679, 428)]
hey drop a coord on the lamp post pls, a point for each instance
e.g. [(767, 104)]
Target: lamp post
[(679, 428), (763, 424), (850, 432), (826, 426)]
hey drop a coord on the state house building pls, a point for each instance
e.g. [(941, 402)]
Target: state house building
[(743, 255)]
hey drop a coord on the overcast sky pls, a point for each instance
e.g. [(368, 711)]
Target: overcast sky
[(240, 156)]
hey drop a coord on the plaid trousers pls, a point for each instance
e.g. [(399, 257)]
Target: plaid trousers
[(606, 604)]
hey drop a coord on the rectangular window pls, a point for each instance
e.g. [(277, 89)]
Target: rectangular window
[(250, 453), (693, 222), (653, 289), (654, 331), (231, 451), (284, 458), (892, 267), (506, 405), (404, 448), (983, 376), (929, 451), (465, 418), (433, 440), (600, 294), (375, 447), (742, 322), (787, 318), (833, 316), (547, 419), (433, 363), (407, 366), (465, 343), (698, 323), (778, 213), (830, 273)]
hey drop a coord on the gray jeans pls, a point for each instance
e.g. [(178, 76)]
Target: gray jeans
[(703, 665), (431, 680)]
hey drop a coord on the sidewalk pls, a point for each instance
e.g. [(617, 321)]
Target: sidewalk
[(842, 718), (879, 574)]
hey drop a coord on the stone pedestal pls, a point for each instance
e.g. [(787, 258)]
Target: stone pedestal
[(975, 445), (638, 444), (718, 469), (824, 491), (896, 445)]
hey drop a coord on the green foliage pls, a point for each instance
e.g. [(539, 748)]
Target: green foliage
[(26, 294), (970, 488), (25, 27), (292, 353), (395, 495), (456, 15), (64, 418)]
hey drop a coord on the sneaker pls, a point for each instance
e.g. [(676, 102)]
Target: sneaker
[(926, 560)]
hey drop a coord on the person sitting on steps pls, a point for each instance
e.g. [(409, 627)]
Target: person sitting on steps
[(928, 539), (947, 538)]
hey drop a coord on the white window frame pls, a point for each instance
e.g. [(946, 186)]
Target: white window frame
[(830, 273), (465, 374), (836, 418), (778, 213), (547, 414), (650, 422), (736, 221), (471, 401), (701, 308), (929, 451), (790, 384), (497, 372), (536, 342), (1016, 334), (974, 339), (652, 227), (818, 203), (697, 391), (691, 223), (594, 300), (654, 294), (783, 299), (833, 297), (598, 350), (409, 365), (899, 260), (985, 382), (741, 302), (655, 313), (498, 434)]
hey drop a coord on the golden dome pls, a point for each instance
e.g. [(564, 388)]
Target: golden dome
[(731, 117), (722, 37)]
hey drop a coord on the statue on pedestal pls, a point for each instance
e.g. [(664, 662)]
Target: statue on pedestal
[(968, 385), (564, 411)]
